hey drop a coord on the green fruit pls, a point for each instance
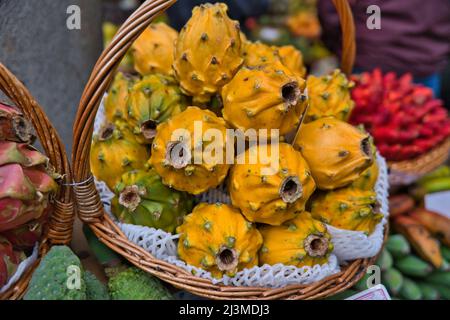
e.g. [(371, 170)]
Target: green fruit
[(442, 171), (410, 290), (361, 285), (95, 290), (393, 280), (142, 199), (438, 184), (104, 255), (445, 251), (50, 280), (444, 291), (428, 291), (343, 295), (385, 260), (413, 266), (439, 277), (398, 246)]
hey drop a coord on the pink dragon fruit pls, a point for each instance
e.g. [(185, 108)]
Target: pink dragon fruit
[(13, 125), (26, 184), (9, 261)]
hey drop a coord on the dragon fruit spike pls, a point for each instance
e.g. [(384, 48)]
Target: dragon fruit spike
[(16, 212), (21, 153), (9, 261), (13, 125), (41, 180)]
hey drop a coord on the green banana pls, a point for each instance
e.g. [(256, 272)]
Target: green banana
[(342, 295), (442, 171), (439, 277), (413, 266), (385, 260), (393, 280), (361, 285), (437, 184), (444, 291), (106, 256), (445, 251), (398, 246), (428, 291), (410, 290)]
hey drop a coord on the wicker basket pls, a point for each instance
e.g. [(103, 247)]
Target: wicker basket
[(90, 208), (58, 229), (408, 171)]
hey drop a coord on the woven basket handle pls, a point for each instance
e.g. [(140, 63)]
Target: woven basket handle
[(90, 207), (348, 35), (60, 223)]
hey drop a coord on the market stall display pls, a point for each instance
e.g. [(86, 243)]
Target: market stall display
[(210, 72), (36, 202)]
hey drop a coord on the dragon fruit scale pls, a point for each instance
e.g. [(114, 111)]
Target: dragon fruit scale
[(207, 52), (26, 185), (9, 261)]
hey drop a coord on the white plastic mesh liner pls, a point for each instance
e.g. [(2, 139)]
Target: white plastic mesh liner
[(350, 245), (162, 245), (23, 266)]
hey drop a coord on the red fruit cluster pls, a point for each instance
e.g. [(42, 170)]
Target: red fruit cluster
[(404, 118)]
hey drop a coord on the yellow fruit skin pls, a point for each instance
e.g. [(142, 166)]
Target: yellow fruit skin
[(113, 155), (329, 96), (212, 228), (258, 196), (348, 209), (195, 177), (292, 59), (154, 49), (287, 244), (336, 152), (116, 101), (254, 99), (258, 53), (153, 99), (208, 51), (368, 178)]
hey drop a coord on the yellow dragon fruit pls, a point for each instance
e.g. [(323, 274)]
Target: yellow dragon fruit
[(292, 59), (115, 151), (116, 101), (347, 208), (185, 160), (329, 96), (272, 197), (336, 152), (151, 101), (142, 199), (154, 49), (264, 97), (300, 242), (258, 53), (208, 51), (218, 239)]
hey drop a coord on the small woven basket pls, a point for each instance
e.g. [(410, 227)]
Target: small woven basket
[(58, 229), (90, 207), (408, 171)]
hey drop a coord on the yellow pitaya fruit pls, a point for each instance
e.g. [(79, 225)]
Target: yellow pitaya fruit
[(154, 49), (348, 208), (271, 197), (329, 96), (151, 101), (208, 51), (218, 239), (292, 59), (258, 53), (264, 97), (336, 152), (115, 151), (117, 98), (300, 242), (183, 159)]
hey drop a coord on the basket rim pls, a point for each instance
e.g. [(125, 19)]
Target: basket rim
[(424, 163), (90, 208), (58, 230)]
